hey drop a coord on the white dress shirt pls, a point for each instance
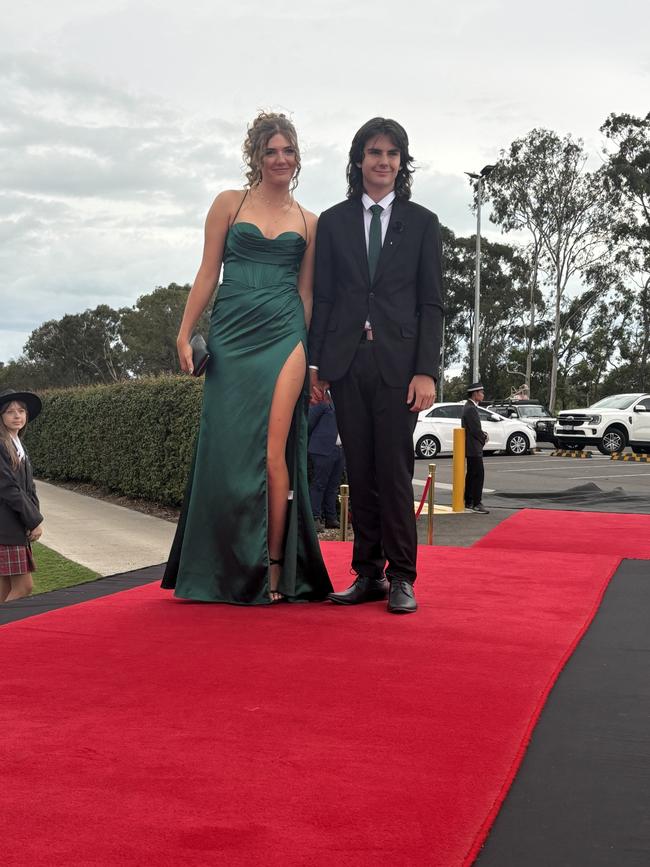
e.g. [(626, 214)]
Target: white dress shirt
[(387, 204), (19, 447)]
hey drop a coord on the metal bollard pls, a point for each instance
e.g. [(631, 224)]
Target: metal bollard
[(344, 497), (458, 471), (430, 505)]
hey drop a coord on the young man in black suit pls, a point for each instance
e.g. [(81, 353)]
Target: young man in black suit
[(375, 338)]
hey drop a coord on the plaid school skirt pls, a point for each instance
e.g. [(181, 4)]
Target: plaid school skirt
[(16, 560)]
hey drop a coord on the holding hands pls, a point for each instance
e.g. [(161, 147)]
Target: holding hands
[(318, 387)]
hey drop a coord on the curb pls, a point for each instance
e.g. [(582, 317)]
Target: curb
[(566, 453), (637, 459)]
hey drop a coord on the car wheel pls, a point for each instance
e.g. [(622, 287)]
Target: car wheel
[(427, 447), (614, 440), (517, 444)]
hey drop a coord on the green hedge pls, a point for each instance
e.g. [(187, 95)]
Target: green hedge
[(134, 438)]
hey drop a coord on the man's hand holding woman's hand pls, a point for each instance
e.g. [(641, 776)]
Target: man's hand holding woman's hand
[(184, 354), (318, 387)]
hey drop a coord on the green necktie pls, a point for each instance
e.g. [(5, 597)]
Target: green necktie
[(374, 240)]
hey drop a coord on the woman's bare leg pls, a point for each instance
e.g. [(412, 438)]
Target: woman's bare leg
[(21, 586), (287, 390)]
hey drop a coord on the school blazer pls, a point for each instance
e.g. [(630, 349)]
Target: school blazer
[(19, 506)]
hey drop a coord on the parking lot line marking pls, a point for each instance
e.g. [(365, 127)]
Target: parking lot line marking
[(550, 462), (446, 486), (611, 476)]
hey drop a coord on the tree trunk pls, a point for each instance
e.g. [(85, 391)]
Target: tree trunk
[(530, 337), (556, 343)]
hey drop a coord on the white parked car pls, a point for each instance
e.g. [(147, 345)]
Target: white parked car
[(610, 424), (434, 431)]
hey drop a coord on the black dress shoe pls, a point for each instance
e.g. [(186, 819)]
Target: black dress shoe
[(401, 598), (363, 590), (332, 524)]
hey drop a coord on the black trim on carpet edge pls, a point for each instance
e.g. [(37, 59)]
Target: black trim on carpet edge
[(42, 602), (582, 794)]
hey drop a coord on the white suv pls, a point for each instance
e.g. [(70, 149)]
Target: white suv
[(610, 424)]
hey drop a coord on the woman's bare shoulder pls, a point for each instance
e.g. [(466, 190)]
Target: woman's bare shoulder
[(226, 203)]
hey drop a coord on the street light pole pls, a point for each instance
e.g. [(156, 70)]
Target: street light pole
[(477, 280), (485, 171)]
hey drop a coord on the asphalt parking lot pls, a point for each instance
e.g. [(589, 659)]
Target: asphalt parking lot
[(542, 481)]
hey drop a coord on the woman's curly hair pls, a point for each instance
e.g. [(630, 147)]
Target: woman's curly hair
[(397, 134), (262, 129)]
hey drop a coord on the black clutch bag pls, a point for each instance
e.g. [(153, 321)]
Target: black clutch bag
[(200, 355)]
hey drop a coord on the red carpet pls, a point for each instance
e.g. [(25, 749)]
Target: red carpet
[(576, 532), (141, 730)]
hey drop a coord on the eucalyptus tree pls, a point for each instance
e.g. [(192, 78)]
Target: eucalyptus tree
[(627, 174), (540, 186), (505, 279), (148, 329), (79, 348)]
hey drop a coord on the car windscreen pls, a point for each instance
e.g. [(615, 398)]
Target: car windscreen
[(533, 411), (616, 401)]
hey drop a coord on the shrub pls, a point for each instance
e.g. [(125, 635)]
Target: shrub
[(135, 438)]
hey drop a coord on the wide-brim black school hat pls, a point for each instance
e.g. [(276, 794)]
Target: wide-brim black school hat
[(32, 401), (475, 386)]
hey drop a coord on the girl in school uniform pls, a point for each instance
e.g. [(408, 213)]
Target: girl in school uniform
[(20, 519)]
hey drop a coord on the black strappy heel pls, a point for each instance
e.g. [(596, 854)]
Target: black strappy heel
[(276, 561)]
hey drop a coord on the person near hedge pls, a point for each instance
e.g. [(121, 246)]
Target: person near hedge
[(327, 461), (21, 522), (475, 439), (246, 534)]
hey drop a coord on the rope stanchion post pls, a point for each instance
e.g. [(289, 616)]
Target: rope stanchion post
[(344, 497), (432, 486), (458, 471)]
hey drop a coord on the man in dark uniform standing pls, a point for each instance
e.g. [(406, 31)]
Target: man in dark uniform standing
[(475, 439), (326, 456)]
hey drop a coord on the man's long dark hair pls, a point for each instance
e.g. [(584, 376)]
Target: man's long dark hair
[(397, 134)]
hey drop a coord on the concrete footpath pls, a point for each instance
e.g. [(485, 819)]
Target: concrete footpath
[(106, 538)]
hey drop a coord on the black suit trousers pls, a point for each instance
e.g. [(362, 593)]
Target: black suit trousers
[(474, 480), (376, 429)]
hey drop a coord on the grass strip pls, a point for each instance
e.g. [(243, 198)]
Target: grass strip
[(54, 571)]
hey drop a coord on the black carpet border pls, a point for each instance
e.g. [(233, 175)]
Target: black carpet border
[(10, 612), (581, 796)]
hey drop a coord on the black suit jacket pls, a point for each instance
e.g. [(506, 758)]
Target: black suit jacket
[(404, 302), (19, 508), (475, 436)]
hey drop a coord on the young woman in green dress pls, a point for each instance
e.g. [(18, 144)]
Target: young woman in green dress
[(246, 534)]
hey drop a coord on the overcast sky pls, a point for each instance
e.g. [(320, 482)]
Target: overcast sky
[(120, 121)]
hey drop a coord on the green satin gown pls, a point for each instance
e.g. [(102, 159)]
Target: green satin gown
[(220, 552)]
